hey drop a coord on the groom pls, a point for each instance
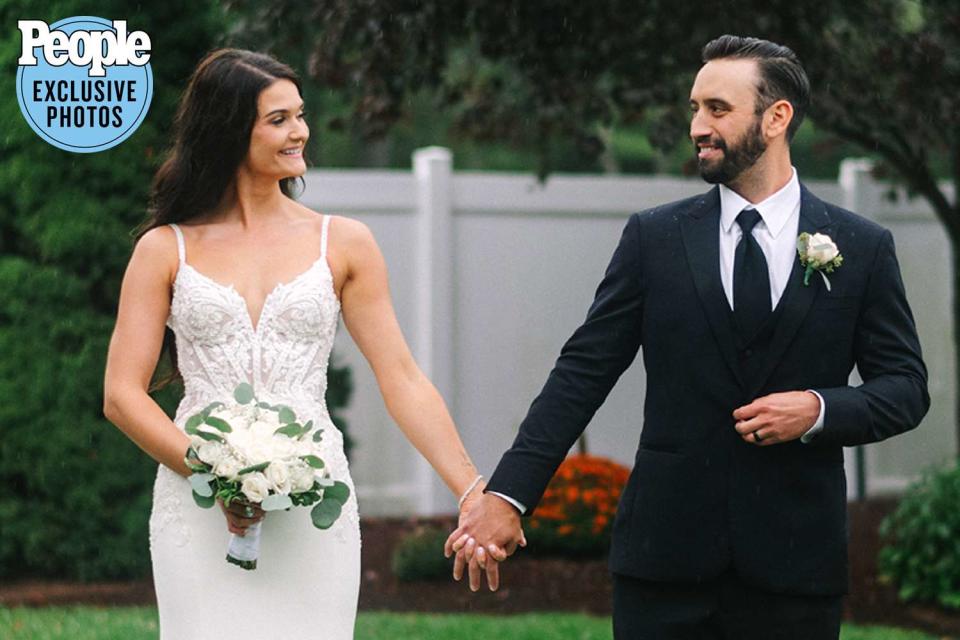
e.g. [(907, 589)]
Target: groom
[(733, 522)]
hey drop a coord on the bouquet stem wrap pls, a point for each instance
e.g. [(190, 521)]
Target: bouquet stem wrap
[(244, 550)]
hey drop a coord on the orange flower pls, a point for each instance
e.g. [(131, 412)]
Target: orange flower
[(578, 506)]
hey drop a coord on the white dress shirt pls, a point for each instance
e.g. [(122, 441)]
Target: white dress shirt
[(776, 234)]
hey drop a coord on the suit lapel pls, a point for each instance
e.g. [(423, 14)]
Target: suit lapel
[(797, 298), (700, 229)]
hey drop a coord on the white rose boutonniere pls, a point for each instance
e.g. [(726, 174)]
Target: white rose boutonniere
[(818, 252)]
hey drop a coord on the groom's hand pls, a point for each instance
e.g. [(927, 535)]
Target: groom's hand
[(489, 530), (778, 417)]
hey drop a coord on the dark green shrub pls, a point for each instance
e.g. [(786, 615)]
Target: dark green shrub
[(922, 552), (74, 492), (419, 556)]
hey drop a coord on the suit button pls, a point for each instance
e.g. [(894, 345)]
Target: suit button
[(747, 353)]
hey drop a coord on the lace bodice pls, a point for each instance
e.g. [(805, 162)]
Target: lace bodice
[(284, 356)]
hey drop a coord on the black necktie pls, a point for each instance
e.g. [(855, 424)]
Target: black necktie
[(751, 281)]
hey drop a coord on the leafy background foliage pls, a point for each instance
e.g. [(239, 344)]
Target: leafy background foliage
[(922, 554), (71, 485), (419, 555)]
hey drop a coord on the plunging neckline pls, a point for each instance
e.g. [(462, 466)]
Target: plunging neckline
[(231, 289)]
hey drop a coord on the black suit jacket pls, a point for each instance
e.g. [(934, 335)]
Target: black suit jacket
[(700, 500)]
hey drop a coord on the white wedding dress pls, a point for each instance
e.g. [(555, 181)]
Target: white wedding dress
[(307, 580)]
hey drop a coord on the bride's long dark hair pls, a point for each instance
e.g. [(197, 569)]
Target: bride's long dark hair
[(211, 137)]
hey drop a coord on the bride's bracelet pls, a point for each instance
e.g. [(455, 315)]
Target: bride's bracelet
[(473, 485)]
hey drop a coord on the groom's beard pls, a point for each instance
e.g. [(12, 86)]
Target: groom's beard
[(736, 159)]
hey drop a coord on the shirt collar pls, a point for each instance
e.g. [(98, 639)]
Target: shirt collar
[(774, 211)]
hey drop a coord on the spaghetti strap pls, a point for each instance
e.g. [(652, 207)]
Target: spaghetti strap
[(323, 237), (181, 250)]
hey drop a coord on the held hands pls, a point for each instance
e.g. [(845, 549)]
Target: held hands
[(489, 531), (777, 418), (240, 516)]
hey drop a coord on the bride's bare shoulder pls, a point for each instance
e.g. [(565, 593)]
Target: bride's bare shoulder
[(156, 251), (351, 235)]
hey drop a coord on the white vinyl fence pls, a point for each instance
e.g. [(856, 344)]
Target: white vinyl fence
[(491, 272)]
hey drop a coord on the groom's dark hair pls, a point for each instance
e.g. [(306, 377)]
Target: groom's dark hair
[(781, 75)]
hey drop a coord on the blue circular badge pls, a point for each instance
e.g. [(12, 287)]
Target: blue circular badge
[(78, 100)]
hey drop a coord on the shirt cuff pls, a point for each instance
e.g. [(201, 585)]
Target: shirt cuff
[(818, 425), (516, 504)]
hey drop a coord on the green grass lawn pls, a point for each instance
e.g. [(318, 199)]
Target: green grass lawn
[(140, 623)]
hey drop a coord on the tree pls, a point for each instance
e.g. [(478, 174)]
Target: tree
[(884, 72), (896, 95), (520, 71)]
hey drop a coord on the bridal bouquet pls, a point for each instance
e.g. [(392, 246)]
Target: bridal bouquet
[(256, 453)]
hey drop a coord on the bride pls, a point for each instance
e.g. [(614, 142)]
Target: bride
[(251, 285)]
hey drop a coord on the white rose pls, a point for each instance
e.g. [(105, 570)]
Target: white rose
[(252, 446), (211, 452), (255, 487), (279, 476), (283, 447), (821, 249), (240, 443), (259, 451), (228, 467), (301, 478), (262, 430)]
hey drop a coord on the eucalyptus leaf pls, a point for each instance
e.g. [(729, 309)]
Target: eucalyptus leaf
[(313, 461), (194, 463), (325, 514), (219, 424), (287, 414), (318, 436), (293, 430), (276, 502), (339, 492), (212, 437), (200, 482), (202, 501), (264, 405), (207, 410), (243, 393), (197, 468), (192, 423), (253, 467)]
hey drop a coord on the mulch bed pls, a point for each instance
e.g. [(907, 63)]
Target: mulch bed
[(528, 583)]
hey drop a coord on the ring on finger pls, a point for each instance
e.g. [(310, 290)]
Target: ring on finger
[(756, 437)]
